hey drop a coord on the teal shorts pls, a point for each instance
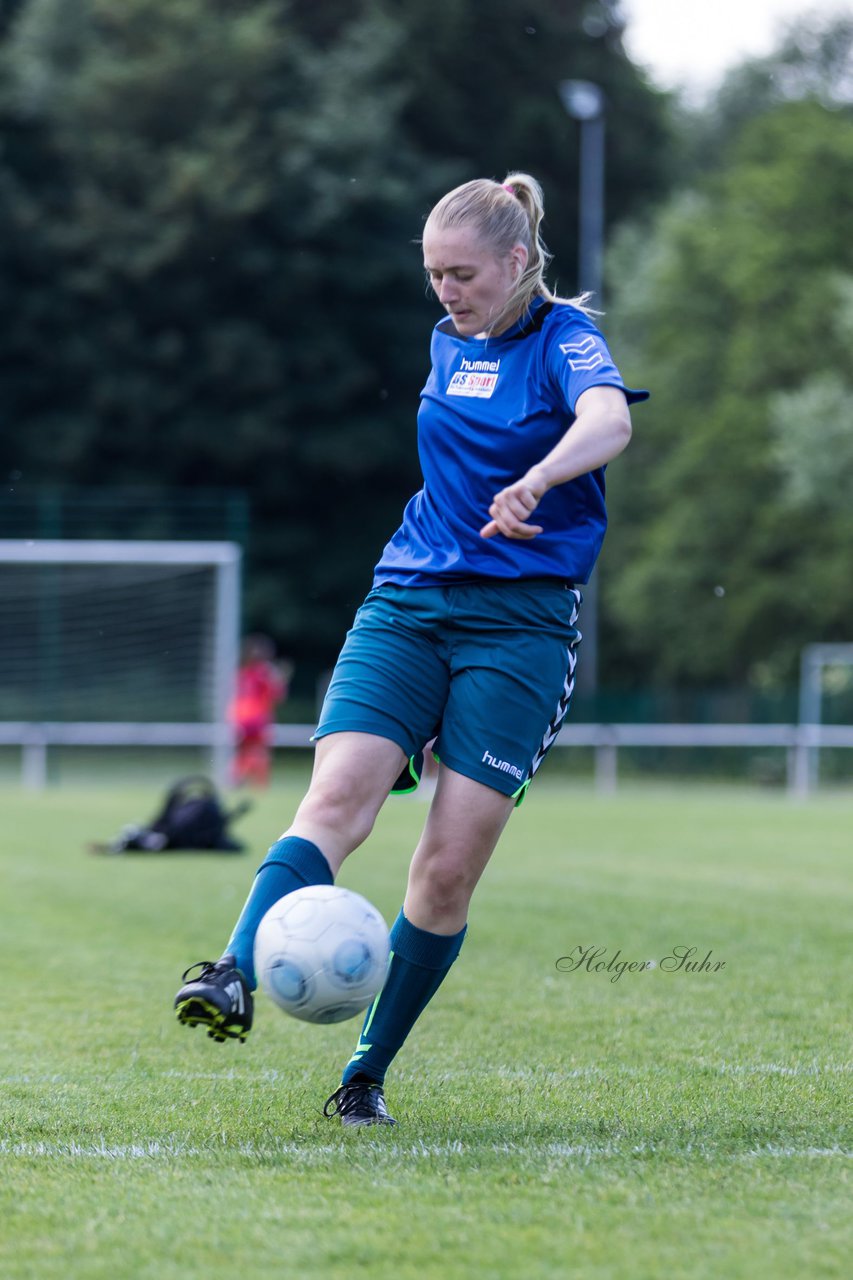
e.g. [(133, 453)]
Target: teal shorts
[(486, 668)]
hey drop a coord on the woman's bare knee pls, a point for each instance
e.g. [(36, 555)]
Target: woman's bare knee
[(463, 827), (353, 773), (335, 804), (439, 894)]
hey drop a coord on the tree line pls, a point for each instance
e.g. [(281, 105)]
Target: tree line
[(208, 259), (209, 213), (732, 514)]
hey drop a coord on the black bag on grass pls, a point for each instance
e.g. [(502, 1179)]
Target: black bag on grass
[(192, 818)]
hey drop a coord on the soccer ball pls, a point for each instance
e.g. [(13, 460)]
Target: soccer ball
[(321, 953)]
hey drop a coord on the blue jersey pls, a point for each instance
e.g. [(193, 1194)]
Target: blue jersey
[(491, 408)]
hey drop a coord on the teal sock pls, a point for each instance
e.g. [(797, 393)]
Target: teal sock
[(290, 864), (419, 963)]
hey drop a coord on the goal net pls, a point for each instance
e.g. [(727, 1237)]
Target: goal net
[(131, 632)]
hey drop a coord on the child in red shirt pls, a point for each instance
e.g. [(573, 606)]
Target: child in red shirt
[(261, 685)]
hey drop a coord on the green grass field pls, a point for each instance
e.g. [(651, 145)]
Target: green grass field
[(551, 1123)]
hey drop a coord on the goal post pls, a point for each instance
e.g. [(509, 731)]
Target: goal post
[(814, 662), (130, 632)]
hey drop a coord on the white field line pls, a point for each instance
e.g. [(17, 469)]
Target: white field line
[(533, 1075), (782, 1069), (609, 1070), (533, 1153), (530, 1074), (270, 1075)]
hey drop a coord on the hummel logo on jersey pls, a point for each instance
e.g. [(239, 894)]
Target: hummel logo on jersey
[(479, 366), (235, 991), (475, 378), (585, 354)]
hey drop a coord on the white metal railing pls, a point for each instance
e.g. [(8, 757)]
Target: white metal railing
[(34, 738), (802, 743)]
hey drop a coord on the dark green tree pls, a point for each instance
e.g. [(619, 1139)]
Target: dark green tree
[(221, 222), (732, 523), (210, 211)]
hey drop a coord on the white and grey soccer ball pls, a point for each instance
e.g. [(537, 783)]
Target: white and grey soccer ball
[(321, 953)]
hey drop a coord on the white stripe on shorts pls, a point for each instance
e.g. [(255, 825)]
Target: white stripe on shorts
[(556, 722)]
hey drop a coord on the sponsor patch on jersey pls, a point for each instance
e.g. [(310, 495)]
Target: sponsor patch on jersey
[(583, 355), (475, 378), (473, 384)]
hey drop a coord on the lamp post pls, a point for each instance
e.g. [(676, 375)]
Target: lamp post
[(584, 102)]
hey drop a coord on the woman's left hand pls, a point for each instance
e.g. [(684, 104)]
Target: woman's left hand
[(512, 508)]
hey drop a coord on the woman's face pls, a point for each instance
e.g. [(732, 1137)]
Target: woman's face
[(470, 280)]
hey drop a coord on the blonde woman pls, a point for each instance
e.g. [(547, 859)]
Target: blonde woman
[(469, 633)]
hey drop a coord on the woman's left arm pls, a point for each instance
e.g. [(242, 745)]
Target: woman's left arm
[(600, 431)]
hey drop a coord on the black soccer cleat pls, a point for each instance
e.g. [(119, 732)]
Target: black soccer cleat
[(219, 999), (360, 1102)]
